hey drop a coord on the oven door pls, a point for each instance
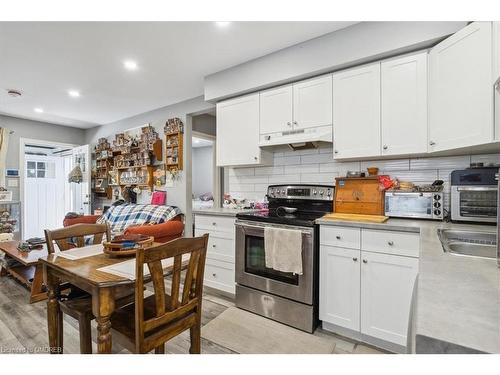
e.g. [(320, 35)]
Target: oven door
[(409, 204), (474, 203), (251, 270)]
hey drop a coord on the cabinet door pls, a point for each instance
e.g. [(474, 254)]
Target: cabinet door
[(496, 76), (356, 112), (386, 292), (404, 105), (276, 110), (460, 89), (312, 102), (238, 131), (339, 286)]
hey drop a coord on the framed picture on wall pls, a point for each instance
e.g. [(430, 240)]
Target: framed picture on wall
[(5, 196)]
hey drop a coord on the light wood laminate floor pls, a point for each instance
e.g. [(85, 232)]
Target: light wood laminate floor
[(23, 326)]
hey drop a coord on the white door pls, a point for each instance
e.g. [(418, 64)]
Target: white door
[(460, 89), (312, 102), (356, 112), (386, 292), (276, 110), (404, 105), (339, 301), (43, 194), (238, 131), (80, 192)]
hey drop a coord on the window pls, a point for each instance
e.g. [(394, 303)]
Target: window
[(40, 169)]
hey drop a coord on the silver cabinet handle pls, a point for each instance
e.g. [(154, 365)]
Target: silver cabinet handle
[(355, 259), (214, 223), (390, 243), (432, 143), (336, 151), (385, 147), (214, 246), (295, 123), (214, 275), (256, 158), (365, 261), (337, 237), (497, 84), (289, 123)]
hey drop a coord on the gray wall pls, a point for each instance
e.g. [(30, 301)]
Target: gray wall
[(205, 124), (35, 130), (360, 43), (180, 194), (203, 169)]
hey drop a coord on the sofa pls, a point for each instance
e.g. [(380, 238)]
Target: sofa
[(164, 223)]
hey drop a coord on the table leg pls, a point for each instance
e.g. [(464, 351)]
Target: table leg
[(37, 293), (103, 305), (54, 314)]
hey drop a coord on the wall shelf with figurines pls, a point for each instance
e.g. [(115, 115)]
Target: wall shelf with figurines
[(174, 135)]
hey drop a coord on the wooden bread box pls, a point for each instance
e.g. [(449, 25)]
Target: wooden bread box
[(358, 195)]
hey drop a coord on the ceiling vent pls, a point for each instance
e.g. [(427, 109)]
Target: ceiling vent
[(14, 93)]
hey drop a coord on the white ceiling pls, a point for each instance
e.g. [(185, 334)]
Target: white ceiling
[(45, 60)]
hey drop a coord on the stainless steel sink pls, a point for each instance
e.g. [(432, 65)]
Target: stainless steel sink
[(469, 243)]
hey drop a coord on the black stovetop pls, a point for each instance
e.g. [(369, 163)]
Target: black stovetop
[(278, 216)]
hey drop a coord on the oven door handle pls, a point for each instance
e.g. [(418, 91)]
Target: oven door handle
[(245, 225), (477, 188), (409, 194)]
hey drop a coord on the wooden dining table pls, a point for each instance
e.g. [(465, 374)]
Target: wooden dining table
[(102, 286)]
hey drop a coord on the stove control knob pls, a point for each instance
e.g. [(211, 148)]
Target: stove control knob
[(437, 204), (437, 212), (282, 191), (437, 197), (321, 192), (315, 192), (329, 192)]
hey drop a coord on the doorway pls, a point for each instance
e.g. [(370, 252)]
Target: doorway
[(206, 176), (46, 193)]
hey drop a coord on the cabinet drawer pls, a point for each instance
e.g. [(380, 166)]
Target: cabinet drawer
[(224, 226), (391, 242), (220, 275), (221, 249), (340, 236)]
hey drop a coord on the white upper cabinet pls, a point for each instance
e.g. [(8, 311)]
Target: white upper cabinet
[(238, 132), (404, 105), (386, 290), (276, 110), (460, 89), (312, 102), (356, 112)]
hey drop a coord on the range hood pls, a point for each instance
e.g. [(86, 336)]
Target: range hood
[(298, 138)]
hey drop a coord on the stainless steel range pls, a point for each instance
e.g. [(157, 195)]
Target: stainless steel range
[(286, 297)]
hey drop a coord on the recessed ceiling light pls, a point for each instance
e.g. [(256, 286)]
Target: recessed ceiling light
[(130, 65), (38, 110), (222, 23), (74, 93)]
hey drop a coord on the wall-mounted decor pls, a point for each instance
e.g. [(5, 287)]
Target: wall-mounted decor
[(174, 135)]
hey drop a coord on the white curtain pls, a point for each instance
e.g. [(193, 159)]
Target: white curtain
[(4, 144)]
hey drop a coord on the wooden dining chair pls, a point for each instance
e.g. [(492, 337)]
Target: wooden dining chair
[(77, 303), (150, 322)]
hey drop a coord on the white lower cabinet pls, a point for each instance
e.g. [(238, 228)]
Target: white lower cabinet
[(367, 294), (386, 291), (219, 266), (339, 286)]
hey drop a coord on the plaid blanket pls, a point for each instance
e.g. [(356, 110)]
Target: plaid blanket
[(121, 217)]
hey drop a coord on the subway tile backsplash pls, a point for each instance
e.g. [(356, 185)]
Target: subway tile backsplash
[(318, 166)]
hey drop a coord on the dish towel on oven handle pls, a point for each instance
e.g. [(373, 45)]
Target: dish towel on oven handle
[(283, 249)]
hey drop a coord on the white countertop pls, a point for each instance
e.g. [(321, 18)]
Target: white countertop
[(458, 298), (218, 211)]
